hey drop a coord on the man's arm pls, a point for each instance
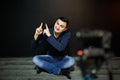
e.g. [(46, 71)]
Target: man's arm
[(37, 36), (60, 46)]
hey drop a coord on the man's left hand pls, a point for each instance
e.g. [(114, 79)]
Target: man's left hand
[(46, 31)]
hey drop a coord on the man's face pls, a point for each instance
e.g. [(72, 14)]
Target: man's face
[(60, 26)]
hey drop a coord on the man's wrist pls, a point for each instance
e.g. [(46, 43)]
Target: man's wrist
[(35, 36), (49, 35)]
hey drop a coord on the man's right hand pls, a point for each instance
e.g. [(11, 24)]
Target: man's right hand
[(38, 31)]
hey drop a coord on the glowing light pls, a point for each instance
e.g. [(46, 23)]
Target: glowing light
[(79, 52)]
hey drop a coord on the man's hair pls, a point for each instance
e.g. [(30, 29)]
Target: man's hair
[(64, 19)]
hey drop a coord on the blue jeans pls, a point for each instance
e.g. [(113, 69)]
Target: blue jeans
[(51, 64)]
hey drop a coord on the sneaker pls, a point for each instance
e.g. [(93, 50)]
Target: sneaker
[(66, 73), (39, 70)]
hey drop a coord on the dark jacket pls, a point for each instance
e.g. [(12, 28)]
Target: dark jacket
[(55, 47)]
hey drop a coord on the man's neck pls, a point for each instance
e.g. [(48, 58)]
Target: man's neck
[(56, 35)]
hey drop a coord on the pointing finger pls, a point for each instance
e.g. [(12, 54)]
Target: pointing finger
[(41, 25), (46, 26)]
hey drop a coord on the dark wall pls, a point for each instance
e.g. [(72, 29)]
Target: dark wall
[(21, 17)]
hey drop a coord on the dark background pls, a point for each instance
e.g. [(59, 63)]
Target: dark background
[(19, 19)]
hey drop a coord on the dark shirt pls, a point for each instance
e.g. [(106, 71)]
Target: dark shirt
[(55, 47)]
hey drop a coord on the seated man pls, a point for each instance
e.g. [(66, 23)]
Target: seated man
[(56, 39)]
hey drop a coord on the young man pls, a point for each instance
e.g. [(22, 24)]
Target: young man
[(56, 39)]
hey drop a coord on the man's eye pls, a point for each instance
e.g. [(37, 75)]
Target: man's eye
[(57, 23), (62, 26)]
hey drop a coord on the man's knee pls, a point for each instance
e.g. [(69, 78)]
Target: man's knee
[(35, 59)]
